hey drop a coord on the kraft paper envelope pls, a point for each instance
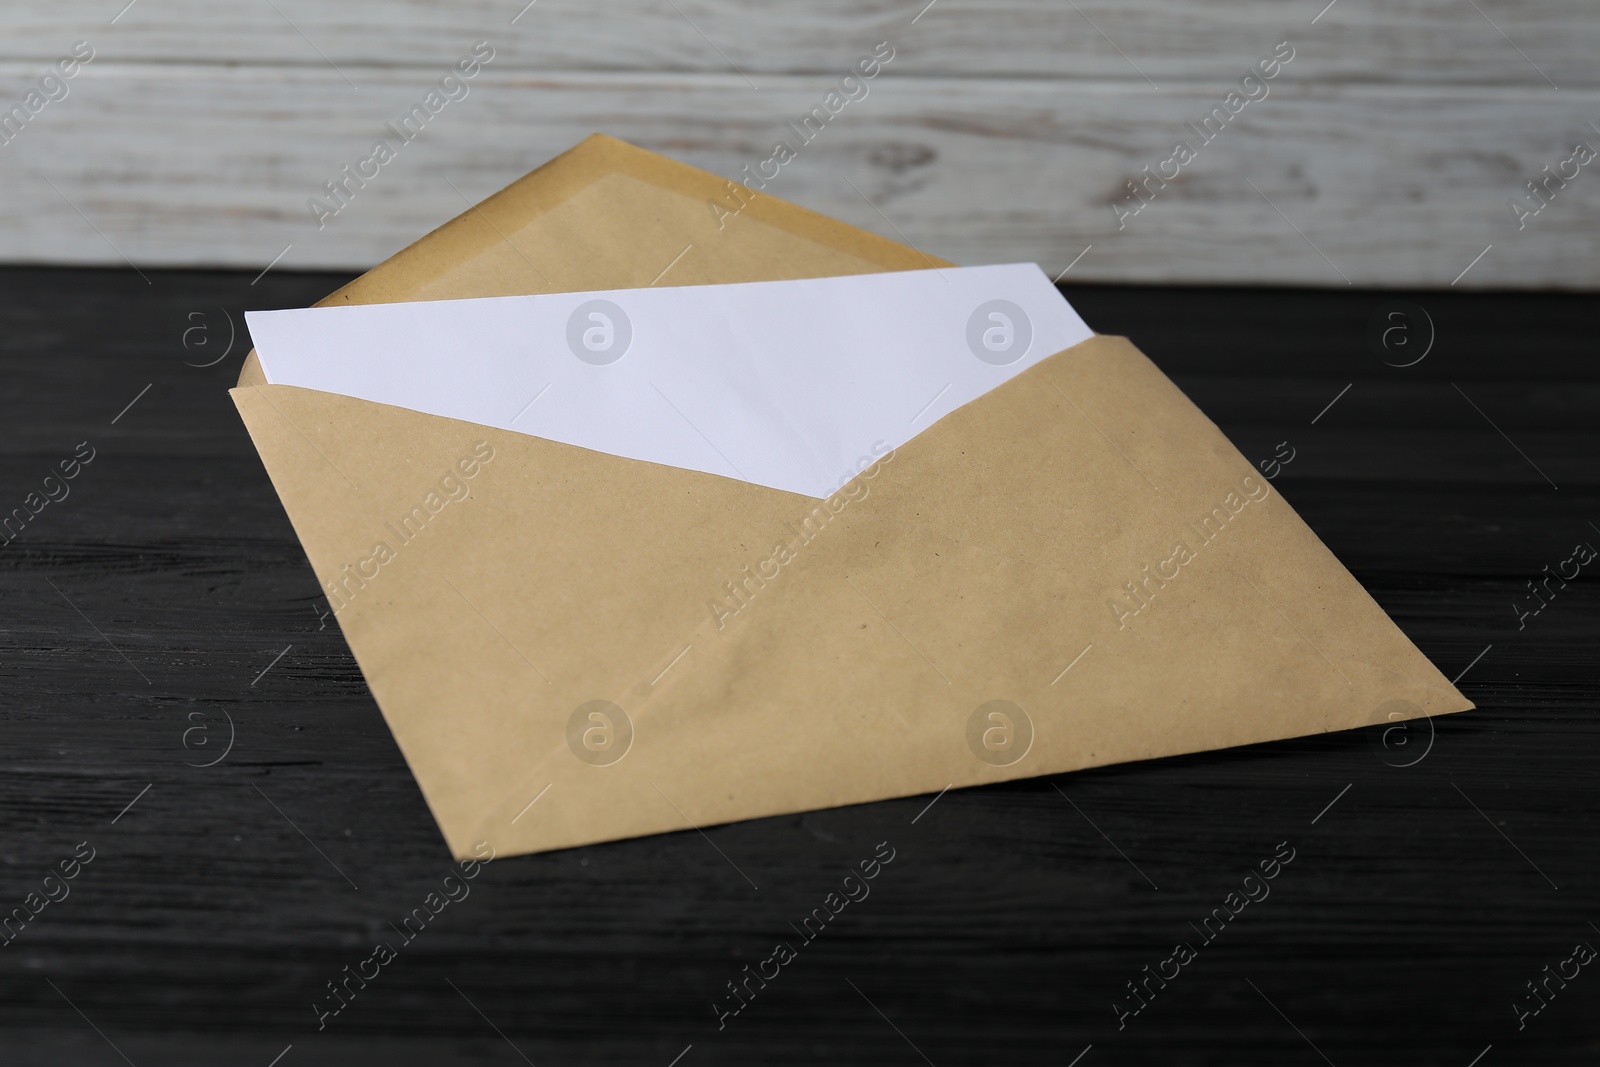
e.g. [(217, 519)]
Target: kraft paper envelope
[(1075, 569)]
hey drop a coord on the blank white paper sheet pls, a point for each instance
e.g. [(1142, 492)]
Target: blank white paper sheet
[(787, 384)]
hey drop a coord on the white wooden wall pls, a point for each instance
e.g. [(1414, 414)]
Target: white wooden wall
[(1385, 154)]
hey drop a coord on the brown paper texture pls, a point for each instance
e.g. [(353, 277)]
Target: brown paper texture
[(1081, 544)]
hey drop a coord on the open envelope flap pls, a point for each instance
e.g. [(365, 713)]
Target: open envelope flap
[(1035, 529)]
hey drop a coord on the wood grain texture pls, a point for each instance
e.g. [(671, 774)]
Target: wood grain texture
[(1007, 924), (1000, 131), (1410, 41), (1375, 184)]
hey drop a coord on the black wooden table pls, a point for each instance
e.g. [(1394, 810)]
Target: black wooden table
[(161, 596)]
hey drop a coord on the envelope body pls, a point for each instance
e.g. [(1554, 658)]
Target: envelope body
[(1076, 569)]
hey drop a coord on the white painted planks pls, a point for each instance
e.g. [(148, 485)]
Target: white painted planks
[(999, 132)]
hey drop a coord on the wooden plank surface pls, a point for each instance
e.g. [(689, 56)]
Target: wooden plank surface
[(1410, 41), (158, 596), (1375, 184), (1393, 140)]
